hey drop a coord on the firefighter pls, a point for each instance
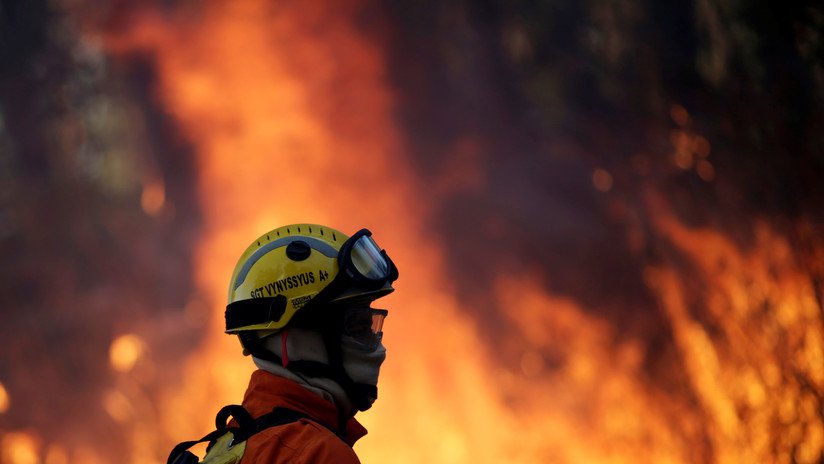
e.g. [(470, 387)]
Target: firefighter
[(300, 301)]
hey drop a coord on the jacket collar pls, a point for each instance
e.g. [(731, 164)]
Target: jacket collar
[(267, 391)]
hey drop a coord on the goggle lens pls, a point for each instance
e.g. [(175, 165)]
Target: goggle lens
[(364, 326), (377, 322), (367, 258)]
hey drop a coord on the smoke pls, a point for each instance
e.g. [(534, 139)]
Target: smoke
[(88, 256), (533, 100)]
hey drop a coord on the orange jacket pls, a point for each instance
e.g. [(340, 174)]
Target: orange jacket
[(303, 441)]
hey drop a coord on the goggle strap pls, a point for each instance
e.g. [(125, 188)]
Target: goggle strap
[(393, 271)]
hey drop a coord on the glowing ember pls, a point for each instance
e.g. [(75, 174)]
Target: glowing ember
[(118, 406), (125, 351), (4, 399), (602, 180), (691, 150), (20, 448), (705, 170), (680, 115), (153, 197)]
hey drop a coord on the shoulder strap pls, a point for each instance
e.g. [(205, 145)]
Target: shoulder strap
[(281, 416), (247, 427), (181, 455)]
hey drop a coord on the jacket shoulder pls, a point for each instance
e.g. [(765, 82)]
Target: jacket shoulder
[(303, 441)]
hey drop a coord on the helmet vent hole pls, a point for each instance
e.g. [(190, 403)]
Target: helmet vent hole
[(310, 230), (278, 232), (321, 231), (288, 231), (267, 237), (298, 250), (333, 237), (298, 229)]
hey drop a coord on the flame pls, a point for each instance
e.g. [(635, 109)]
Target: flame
[(758, 375), (289, 131), (292, 117), (281, 144), (5, 401)]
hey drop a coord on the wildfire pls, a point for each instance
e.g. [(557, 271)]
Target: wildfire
[(293, 121)]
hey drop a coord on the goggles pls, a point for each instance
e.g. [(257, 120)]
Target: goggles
[(363, 263), (364, 327)]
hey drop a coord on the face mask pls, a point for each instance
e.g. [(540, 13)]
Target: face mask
[(362, 366)]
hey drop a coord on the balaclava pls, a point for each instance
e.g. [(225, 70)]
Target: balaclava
[(306, 345)]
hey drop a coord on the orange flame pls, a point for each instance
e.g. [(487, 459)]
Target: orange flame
[(759, 374)]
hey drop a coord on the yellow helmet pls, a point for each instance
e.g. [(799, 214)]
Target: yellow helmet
[(295, 267)]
